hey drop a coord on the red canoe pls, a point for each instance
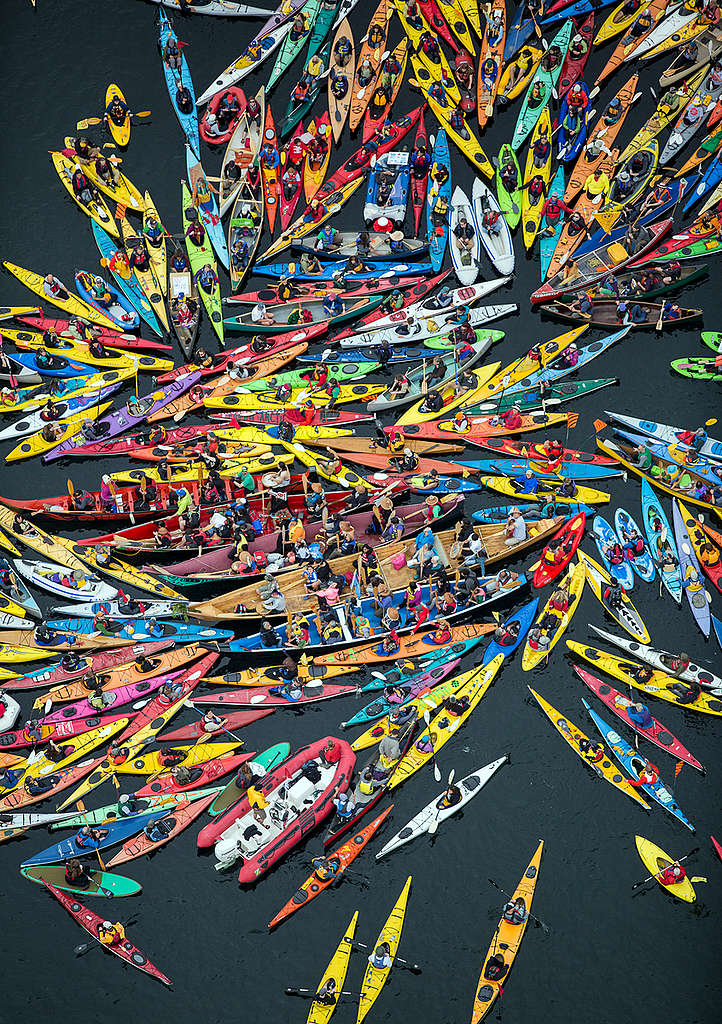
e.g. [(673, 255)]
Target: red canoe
[(570, 533), (91, 922), (619, 704)]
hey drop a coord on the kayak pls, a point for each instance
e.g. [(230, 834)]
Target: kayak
[(692, 577), (117, 810), (437, 811), (691, 120), (573, 66), (565, 543), (147, 280), (342, 69), (545, 81), (656, 733), (605, 538), (648, 680), (697, 367), (498, 244), (398, 693), (272, 697), (570, 142), (373, 269), (92, 923), (96, 208), (656, 861), (206, 206), (711, 447), (534, 651), (465, 261), (573, 736), (625, 614), (293, 42), (163, 830), (509, 202), (661, 541), (116, 260), (532, 210), (102, 883), (433, 330), (626, 527), (96, 662), (315, 884), (122, 190), (335, 975), (176, 78), (491, 63), (375, 978), (635, 764), (547, 489), (634, 33), (115, 832), (119, 309), (662, 660), (233, 792), (72, 305), (701, 539), (507, 938), (551, 232), (373, 50)]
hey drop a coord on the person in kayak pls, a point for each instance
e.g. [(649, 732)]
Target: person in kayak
[(449, 798), (495, 967), (381, 957), (111, 934), (526, 484), (515, 911), (89, 837), (326, 995), (553, 211), (326, 868), (592, 752), (647, 776), (76, 874), (673, 874)]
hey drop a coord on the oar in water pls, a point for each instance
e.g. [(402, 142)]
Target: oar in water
[(658, 873), (416, 968), (437, 770), (435, 823), (537, 919)]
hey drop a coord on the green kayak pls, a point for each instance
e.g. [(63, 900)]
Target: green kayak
[(103, 882), (446, 343), (564, 391), (269, 760), (509, 202), (322, 25), (542, 84), (297, 109), (294, 41), (199, 256), (713, 340), (110, 812), (697, 368), (343, 372)]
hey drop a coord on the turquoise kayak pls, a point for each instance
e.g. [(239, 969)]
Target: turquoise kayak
[(545, 81)]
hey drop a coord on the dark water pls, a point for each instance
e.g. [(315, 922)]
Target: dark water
[(611, 955)]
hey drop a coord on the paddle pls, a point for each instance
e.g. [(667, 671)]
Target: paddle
[(658, 873), (189, 704), (433, 826), (537, 919), (309, 993), (85, 946), (437, 770), (86, 122), (416, 968)]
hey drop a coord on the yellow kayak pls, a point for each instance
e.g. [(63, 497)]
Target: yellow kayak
[(299, 396), (507, 940), (655, 861), (36, 444), (625, 614), (157, 251), (467, 143), (45, 544), (346, 477), (120, 132), (321, 1013), (451, 398), (97, 208), (146, 278), (531, 215), (651, 681), (114, 359), (573, 583), (77, 747), (73, 305), (605, 769), (522, 68), (618, 21), (662, 117), (526, 365), (180, 473), (152, 764), (374, 977), (445, 725), (547, 489), (123, 190), (19, 653), (85, 386), (84, 556), (685, 35)]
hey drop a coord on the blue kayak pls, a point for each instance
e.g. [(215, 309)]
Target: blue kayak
[(392, 675), (709, 180), (667, 195), (556, 369), (499, 513), (569, 145), (60, 367), (661, 541), (604, 536), (129, 286), (117, 832), (175, 79), (374, 269), (208, 209), (443, 485), (631, 760), (513, 467), (399, 354), (627, 528), (121, 311), (576, 10), (137, 629), (518, 31), (438, 234), (520, 621)]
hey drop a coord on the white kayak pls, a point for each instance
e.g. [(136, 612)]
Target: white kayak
[(63, 582), (436, 812), (465, 260), (9, 711), (218, 8), (138, 609), (426, 327), (499, 245), (673, 22), (20, 820), (32, 422), (8, 621), (661, 660)]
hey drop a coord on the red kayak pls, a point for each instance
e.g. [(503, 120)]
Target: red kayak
[(203, 774), (573, 67), (63, 507), (234, 720), (345, 854), (92, 922), (130, 442), (703, 227), (539, 453), (556, 556), (307, 291), (189, 679), (384, 463), (244, 354), (316, 807), (479, 427), (118, 339), (270, 696), (717, 846), (411, 295), (418, 186), (656, 733), (57, 731), (61, 780), (56, 675)]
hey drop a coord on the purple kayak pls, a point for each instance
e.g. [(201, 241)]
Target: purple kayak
[(130, 416)]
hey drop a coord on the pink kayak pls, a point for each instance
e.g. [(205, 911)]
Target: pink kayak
[(115, 698), (189, 678), (118, 339), (234, 720), (656, 733), (59, 730), (269, 696)]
